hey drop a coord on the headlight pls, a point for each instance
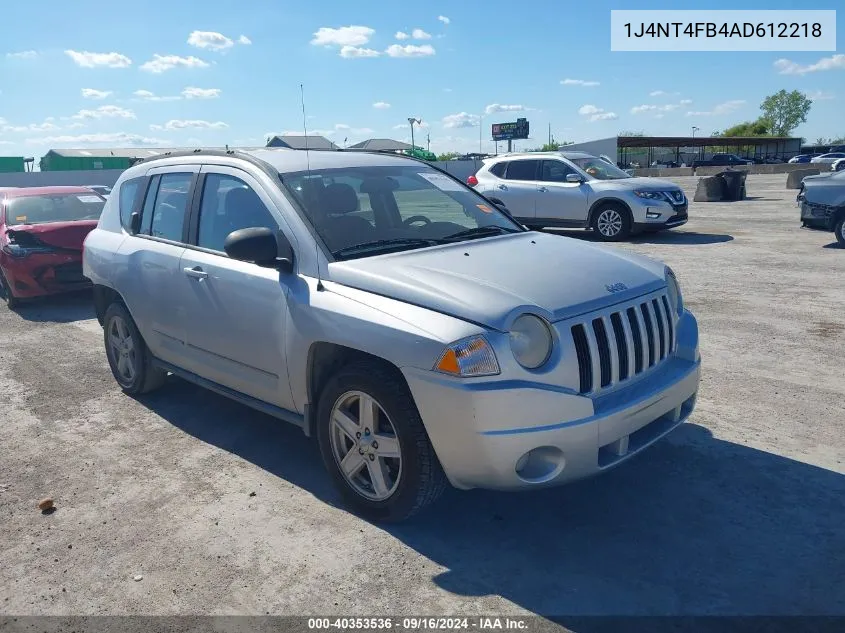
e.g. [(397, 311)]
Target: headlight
[(676, 300), (531, 341), (470, 357), (650, 195)]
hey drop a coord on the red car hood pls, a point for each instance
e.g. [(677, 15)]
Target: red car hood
[(68, 235)]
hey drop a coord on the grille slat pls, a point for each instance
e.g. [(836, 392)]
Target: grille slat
[(618, 346)]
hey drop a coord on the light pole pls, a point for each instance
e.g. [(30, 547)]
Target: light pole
[(413, 120), (694, 130)]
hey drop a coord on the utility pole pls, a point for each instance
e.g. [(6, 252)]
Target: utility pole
[(550, 133), (480, 132), (428, 141), (694, 130), (413, 120)]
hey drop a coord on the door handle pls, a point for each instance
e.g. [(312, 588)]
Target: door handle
[(503, 187), (542, 190), (196, 272)]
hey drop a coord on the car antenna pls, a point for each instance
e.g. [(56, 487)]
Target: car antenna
[(320, 286)]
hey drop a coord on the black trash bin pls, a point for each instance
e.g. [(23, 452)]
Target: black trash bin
[(734, 184)]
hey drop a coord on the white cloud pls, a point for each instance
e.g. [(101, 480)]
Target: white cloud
[(444, 19), (105, 112), (460, 120), (243, 39), (419, 34), (657, 93), (410, 50), (201, 93), (343, 36), (22, 55), (190, 124), (343, 127), (351, 52), (381, 105), (95, 60), (401, 35), (685, 101), (723, 108), (789, 67), (596, 114), (75, 126), (47, 126), (497, 107), (579, 82), (669, 107), (146, 95), (405, 126), (91, 93), (210, 39), (115, 138), (161, 63), (447, 90), (819, 95)]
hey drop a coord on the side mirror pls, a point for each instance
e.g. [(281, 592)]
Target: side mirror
[(574, 178), (134, 223), (260, 245)]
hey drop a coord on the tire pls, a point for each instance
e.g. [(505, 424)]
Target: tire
[(11, 300), (406, 485), (611, 223), (136, 374), (839, 229)]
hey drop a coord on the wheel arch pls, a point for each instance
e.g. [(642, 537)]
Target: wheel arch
[(609, 201), (104, 296)]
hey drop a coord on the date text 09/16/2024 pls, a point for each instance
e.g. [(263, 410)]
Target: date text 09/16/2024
[(418, 623)]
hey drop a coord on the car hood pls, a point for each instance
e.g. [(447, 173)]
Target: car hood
[(828, 189), (68, 235), (493, 280), (637, 182)]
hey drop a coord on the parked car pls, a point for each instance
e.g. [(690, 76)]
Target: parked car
[(103, 190), (827, 159), (419, 333), (574, 189), (41, 234), (822, 202), (722, 160)]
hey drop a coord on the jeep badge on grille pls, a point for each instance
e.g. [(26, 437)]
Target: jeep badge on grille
[(616, 287)]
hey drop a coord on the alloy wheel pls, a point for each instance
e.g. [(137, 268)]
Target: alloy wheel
[(365, 445), (122, 348), (609, 222)]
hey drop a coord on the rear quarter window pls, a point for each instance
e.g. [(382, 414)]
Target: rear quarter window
[(498, 169), (128, 195)]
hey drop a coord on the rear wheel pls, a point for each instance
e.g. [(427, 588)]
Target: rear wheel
[(611, 223), (11, 300), (840, 231), (129, 358), (374, 444)]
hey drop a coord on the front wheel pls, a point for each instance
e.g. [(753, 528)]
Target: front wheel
[(611, 223), (11, 300), (840, 231), (129, 358), (374, 444)]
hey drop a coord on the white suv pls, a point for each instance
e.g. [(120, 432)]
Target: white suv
[(578, 190)]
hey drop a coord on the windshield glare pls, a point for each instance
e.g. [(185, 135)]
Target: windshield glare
[(399, 208), (599, 169), (53, 208)]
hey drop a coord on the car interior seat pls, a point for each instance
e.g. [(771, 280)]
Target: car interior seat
[(337, 227)]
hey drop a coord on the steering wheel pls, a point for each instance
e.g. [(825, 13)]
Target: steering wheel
[(415, 218)]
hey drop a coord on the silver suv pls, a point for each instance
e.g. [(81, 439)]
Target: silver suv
[(419, 333), (578, 190)]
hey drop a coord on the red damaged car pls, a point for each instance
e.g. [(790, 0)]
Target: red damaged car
[(41, 235)]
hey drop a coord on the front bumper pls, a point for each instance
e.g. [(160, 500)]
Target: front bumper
[(42, 274), (509, 434), (817, 215), (656, 215)]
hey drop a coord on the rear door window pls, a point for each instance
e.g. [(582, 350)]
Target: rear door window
[(127, 196), (522, 170), (166, 206)]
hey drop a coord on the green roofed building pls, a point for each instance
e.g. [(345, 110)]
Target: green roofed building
[(11, 164)]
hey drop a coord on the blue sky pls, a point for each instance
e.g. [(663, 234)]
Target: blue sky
[(92, 73)]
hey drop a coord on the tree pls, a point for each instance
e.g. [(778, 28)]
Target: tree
[(760, 127), (785, 111), (448, 156)]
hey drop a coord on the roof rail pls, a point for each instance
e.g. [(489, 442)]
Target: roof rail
[(232, 153)]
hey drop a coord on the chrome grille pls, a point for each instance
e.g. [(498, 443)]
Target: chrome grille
[(615, 347), (676, 196)]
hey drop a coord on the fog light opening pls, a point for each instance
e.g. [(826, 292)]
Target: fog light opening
[(540, 464), (652, 215)]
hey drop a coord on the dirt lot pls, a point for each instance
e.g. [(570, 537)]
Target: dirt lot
[(740, 511)]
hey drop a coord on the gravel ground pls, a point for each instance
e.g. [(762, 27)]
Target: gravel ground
[(223, 510)]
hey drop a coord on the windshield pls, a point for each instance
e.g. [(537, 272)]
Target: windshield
[(53, 208), (363, 211), (599, 169)]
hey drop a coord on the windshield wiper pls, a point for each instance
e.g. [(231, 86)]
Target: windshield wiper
[(378, 245), (480, 231)]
